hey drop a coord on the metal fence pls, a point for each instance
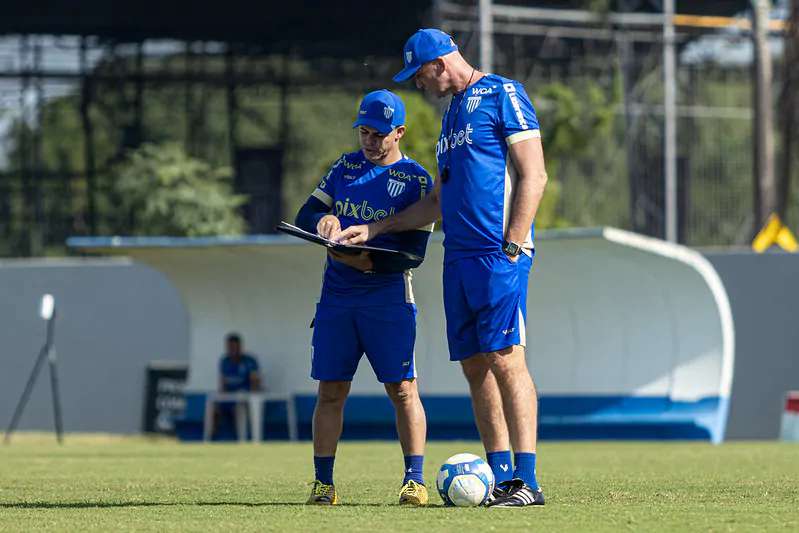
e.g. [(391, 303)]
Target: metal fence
[(70, 107), (618, 179)]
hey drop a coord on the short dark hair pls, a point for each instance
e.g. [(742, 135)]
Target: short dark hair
[(233, 337)]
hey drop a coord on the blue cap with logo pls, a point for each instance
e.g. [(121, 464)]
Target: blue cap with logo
[(381, 110), (423, 46)]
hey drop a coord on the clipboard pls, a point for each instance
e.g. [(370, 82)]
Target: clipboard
[(294, 231)]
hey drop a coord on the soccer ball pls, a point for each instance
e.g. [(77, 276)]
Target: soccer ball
[(465, 480)]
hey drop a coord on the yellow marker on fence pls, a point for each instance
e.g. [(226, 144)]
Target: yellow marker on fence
[(775, 232), (704, 21)]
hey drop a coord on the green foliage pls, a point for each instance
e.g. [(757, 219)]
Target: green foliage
[(423, 126), (576, 120), (170, 193), (585, 138), (319, 130), (573, 119), (600, 7), (548, 214)]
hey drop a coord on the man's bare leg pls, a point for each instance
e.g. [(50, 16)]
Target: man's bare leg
[(328, 416), (411, 420), (489, 415), (412, 431), (486, 403), (328, 420), (519, 397), (520, 403)]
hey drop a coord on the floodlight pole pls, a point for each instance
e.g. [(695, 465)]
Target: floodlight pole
[(670, 122), (486, 15), (765, 187)]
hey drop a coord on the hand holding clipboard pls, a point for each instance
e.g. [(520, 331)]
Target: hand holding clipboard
[(294, 231)]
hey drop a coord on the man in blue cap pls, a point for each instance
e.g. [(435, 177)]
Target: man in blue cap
[(367, 303), (491, 180)]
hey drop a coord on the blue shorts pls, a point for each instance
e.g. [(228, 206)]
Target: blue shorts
[(341, 335), (485, 301)]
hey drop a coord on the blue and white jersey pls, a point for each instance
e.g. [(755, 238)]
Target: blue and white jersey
[(236, 373), (476, 131), (359, 192)]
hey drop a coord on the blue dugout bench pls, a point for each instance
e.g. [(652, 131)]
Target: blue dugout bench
[(450, 418)]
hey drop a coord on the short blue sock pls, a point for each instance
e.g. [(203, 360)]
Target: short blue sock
[(525, 468), (324, 468), (500, 465), (414, 464)]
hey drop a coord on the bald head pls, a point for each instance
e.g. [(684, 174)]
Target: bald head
[(448, 74)]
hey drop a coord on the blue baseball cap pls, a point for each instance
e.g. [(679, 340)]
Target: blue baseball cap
[(381, 110), (423, 46)]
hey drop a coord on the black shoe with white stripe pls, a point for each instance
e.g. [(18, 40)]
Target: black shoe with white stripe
[(500, 491), (515, 493)]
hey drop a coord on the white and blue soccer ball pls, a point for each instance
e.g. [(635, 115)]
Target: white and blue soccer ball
[(465, 480)]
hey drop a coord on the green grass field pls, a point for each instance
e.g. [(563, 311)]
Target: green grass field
[(111, 483)]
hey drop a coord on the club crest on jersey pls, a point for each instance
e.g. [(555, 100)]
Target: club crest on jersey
[(395, 187), (388, 112), (472, 102)]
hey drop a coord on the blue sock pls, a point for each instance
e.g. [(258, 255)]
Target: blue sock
[(324, 468), (525, 468), (413, 468), (500, 465)]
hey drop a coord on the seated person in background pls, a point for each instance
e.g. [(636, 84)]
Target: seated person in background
[(238, 371)]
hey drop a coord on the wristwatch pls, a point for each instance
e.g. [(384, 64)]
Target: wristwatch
[(511, 248)]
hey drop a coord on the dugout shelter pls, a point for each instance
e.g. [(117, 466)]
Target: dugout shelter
[(628, 336)]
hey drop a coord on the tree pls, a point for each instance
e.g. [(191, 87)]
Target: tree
[(319, 130), (575, 122), (167, 192)]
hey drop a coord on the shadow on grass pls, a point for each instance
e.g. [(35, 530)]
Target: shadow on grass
[(106, 505)]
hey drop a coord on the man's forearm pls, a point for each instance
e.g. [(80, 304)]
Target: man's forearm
[(528, 159), (310, 213), (417, 216), (526, 199)]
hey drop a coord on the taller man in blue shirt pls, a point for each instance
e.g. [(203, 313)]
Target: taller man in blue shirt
[(491, 180)]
